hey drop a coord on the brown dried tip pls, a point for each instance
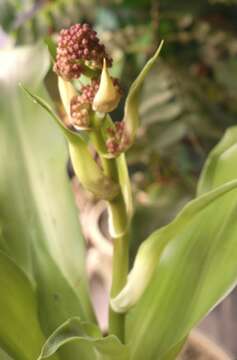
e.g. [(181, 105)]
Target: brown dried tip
[(118, 139), (78, 46), (81, 104)]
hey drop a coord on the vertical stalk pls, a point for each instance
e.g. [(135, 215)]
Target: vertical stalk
[(118, 214), (119, 276), (119, 220)]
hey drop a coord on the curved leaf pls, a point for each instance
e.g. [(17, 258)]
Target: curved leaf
[(76, 331), (131, 111), (152, 249)]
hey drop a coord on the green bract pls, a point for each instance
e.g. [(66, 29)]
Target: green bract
[(180, 272)]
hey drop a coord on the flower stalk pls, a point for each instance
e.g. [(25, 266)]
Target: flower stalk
[(79, 50), (97, 145)]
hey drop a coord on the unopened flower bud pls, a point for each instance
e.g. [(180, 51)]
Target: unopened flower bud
[(78, 47), (81, 105), (108, 95), (80, 112), (118, 139)]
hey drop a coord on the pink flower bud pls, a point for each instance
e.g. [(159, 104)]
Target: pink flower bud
[(81, 105), (78, 47), (118, 139)]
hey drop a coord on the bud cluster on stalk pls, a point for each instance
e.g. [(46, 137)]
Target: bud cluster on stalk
[(79, 52)]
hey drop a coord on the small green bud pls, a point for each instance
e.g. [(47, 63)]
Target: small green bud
[(108, 95)]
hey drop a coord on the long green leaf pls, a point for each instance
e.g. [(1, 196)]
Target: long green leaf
[(197, 267), (36, 201), (20, 333), (96, 347)]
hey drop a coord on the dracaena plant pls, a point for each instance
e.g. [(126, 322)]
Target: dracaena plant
[(180, 272)]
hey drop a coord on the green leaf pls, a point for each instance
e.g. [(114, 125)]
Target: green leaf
[(197, 266), (57, 299), (175, 350), (131, 111), (96, 347), (37, 205), (219, 165), (151, 250), (20, 333)]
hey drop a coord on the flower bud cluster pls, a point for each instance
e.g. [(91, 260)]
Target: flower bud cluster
[(78, 50), (118, 139), (79, 46)]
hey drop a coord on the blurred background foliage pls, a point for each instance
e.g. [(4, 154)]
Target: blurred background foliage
[(189, 99)]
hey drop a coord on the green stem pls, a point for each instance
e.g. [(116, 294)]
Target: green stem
[(119, 219), (119, 277)]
